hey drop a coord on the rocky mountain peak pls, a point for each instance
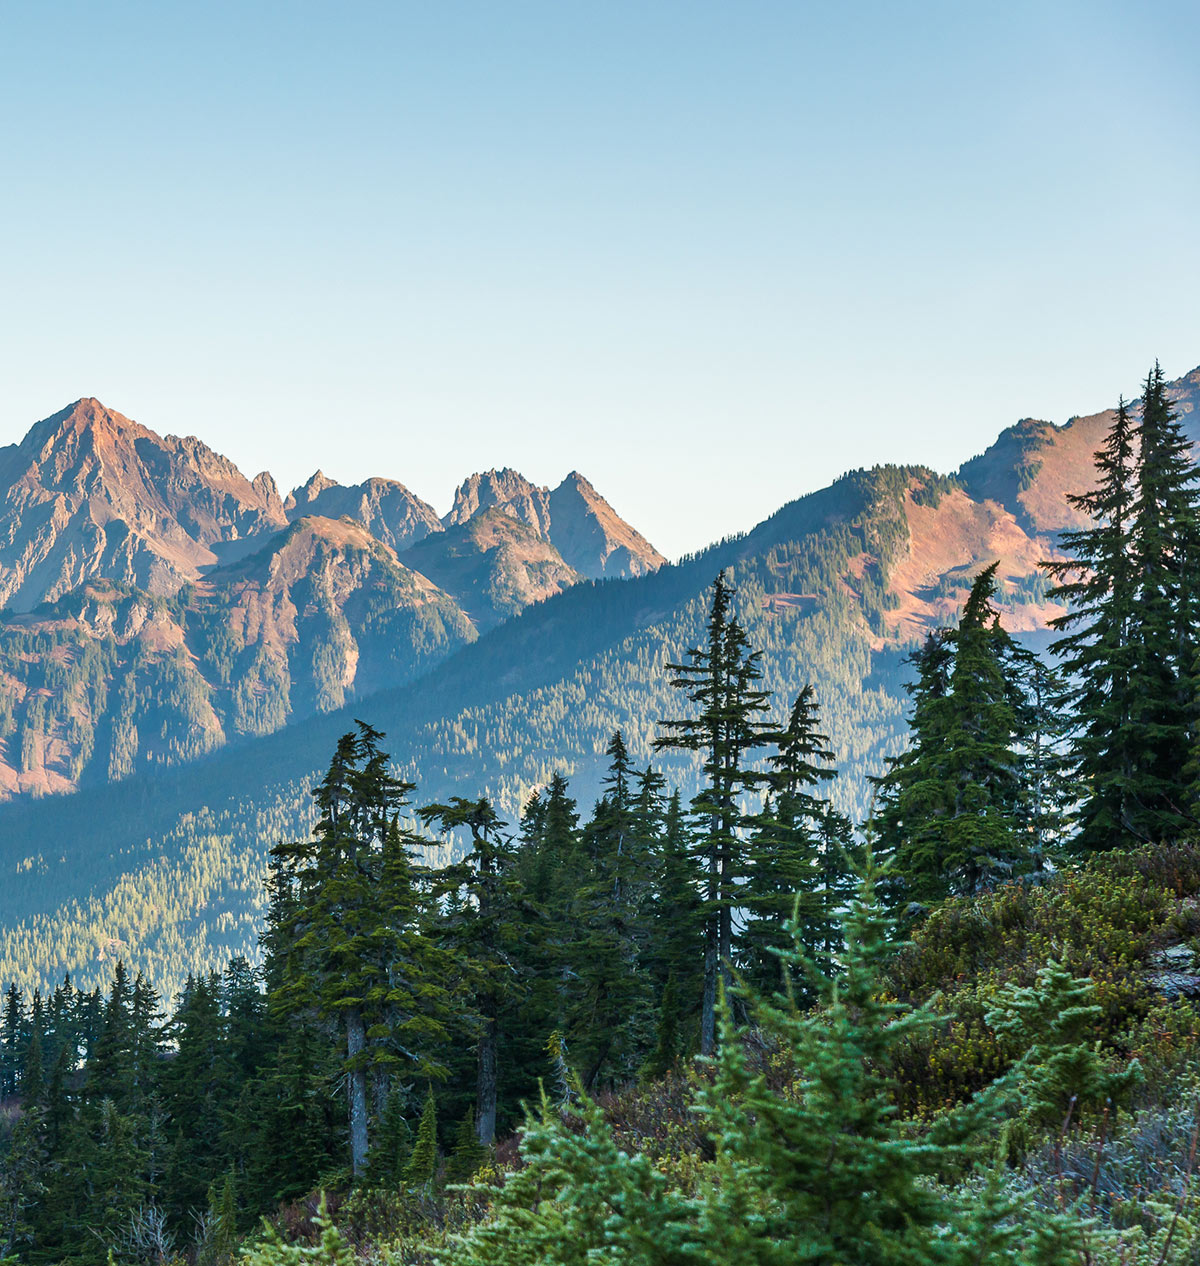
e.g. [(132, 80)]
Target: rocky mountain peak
[(592, 537), (89, 492), (589, 534), (385, 507), (509, 491), (308, 492)]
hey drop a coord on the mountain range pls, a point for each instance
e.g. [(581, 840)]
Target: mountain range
[(182, 646), (159, 604)]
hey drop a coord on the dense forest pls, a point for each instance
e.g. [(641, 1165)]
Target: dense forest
[(730, 1026)]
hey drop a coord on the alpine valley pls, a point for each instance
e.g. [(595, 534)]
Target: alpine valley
[(180, 647)]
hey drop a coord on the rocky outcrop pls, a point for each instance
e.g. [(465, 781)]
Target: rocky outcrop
[(323, 613), (1033, 466), (507, 490), (386, 508)]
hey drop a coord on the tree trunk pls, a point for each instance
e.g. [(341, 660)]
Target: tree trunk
[(708, 1013), (356, 1045), (708, 1010), (485, 1084)]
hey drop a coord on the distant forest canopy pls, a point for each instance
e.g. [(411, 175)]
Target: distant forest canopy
[(408, 1000), (165, 867)]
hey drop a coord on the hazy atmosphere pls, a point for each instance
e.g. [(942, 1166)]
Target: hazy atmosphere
[(421, 240)]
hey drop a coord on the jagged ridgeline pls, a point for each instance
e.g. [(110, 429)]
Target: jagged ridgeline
[(285, 619)]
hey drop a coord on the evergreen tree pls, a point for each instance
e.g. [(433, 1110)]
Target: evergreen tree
[(721, 679), (1128, 644), (469, 1153), (1165, 541), (798, 862), (353, 953), (483, 924), (818, 1170), (953, 809), (675, 960), (423, 1162), (610, 1024)]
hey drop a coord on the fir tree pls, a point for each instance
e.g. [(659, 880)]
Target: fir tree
[(953, 810), (675, 960), (721, 679), (610, 1020), (468, 1154), (423, 1162), (483, 924), (1128, 644), (353, 952), (797, 854)]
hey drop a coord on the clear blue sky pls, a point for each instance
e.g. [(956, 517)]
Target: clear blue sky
[(710, 254)]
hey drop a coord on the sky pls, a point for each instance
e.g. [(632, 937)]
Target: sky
[(711, 254)]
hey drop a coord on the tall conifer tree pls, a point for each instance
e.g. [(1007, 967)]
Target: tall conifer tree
[(721, 678)]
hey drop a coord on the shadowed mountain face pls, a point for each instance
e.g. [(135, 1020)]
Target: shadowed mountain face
[(494, 564), (122, 681), (833, 588)]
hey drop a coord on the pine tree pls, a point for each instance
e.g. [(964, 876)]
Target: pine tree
[(721, 679)]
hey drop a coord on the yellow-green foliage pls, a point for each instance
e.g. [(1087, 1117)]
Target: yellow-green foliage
[(1103, 921)]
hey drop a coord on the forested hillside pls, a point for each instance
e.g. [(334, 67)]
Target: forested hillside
[(835, 588)]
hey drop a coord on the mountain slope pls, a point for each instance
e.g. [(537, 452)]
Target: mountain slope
[(111, 679), (494, 564), (88, 493), (163, 639)]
